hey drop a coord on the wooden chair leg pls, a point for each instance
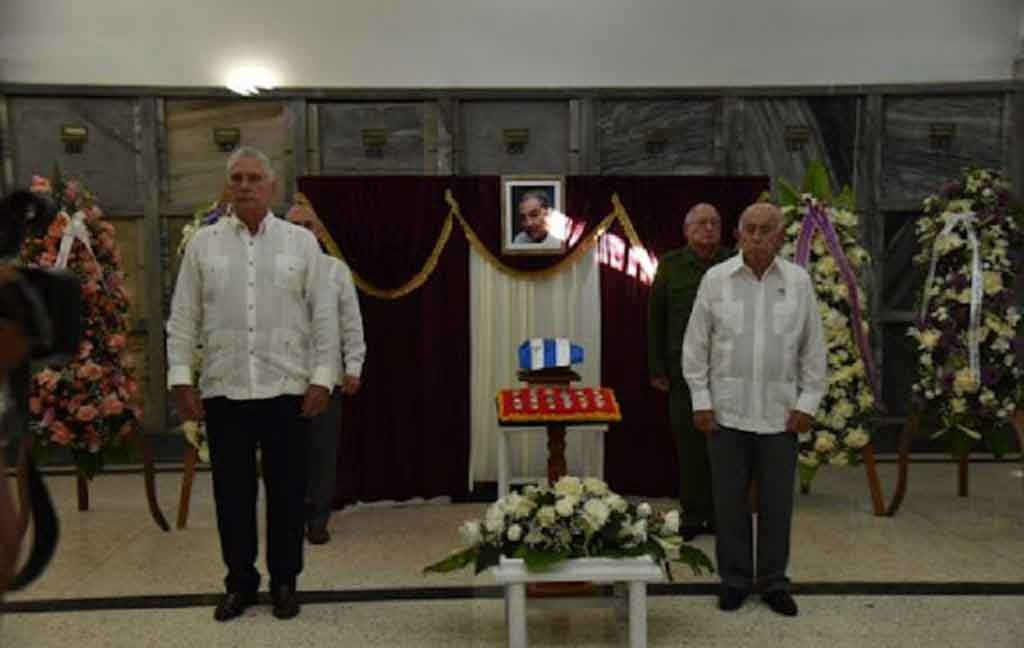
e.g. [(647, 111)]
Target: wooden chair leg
[(907, 434), (187, 474), (83, 491), (874, 484), (149, 475)]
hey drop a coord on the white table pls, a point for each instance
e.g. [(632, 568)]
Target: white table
[(634, 573)]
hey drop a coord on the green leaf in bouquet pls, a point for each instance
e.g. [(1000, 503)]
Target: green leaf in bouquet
[(816, 181), (846, 199), (487, 556), (456, 560), (806, 473), (788, 194), (540, 560), (697, 560)]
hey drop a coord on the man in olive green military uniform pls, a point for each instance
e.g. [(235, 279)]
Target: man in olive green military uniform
[(668, 311)]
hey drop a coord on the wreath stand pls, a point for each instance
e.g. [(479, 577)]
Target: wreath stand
[(82, 482), (867, 455), (910, 430)]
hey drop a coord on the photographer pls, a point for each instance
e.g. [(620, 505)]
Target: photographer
[(40, 320)]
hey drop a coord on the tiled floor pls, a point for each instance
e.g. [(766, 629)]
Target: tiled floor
[(852, 567)]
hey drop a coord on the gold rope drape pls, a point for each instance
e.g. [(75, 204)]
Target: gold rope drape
[(455, 214)]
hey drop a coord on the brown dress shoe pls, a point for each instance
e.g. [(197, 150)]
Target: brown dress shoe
[(233, 605), (286, 602)]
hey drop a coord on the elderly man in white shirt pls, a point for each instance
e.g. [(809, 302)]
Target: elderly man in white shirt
[(323, 445), (250, 293), (755, 360)]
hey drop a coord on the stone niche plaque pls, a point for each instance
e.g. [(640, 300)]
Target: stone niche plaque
[(657, 137), (510, 137), (105, 162), (196, 165), (929, 140), (371, 138)]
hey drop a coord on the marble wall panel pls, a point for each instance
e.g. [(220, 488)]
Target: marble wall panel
[(341, 139), (831, 124), (686, 126), (911, 168), (902, 280), (107, 162), (196, 165), (484, 152)]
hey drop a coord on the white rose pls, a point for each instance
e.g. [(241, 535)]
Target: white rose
[(993, 283), (546, 516), (839, 459), (494, 525), (595, 486), (959, 405), (596, 513), (987, 397), (928, 339), (825, 443), (808, 459), (616, 502), (569, 486), (644, 510), (471, 534), (565, 505), (865, 399), (515, 533), (671, 526), (965, 382), (857, 438)]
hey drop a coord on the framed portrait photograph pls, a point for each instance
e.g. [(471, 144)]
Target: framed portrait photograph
[(533, 217)]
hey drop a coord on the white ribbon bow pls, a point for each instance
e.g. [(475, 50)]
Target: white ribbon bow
[(977, 285), (75, 229)]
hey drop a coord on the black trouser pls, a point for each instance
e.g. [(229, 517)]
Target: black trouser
[(695, 491), (323, 461), (235, 429), (736, 457)]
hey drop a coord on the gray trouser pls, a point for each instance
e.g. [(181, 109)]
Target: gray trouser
[(736, 458), (323, 461)]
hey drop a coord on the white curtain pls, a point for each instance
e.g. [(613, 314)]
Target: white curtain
[(505, 311)]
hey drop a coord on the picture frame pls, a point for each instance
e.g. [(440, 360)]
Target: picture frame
[(519, 237)]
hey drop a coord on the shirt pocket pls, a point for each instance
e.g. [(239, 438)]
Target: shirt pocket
[(289, 272), (784, 321), (727, 395), (728, 317), (215, 273)]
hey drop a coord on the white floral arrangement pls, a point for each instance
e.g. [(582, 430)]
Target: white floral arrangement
[(577, 518), (968, 328), (829, 249)]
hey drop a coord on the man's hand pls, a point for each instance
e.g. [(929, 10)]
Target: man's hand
[(660, 383), (350, 385), (704, 420), (799, 422), (315, 402), (188, 403)]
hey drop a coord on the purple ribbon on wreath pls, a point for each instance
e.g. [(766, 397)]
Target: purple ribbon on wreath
[(815, 220)]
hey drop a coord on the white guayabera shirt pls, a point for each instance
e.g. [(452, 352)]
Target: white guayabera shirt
[(353, 346), (258, 305), (754, 349)]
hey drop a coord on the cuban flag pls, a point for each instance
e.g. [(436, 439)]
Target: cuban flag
[(545, 353)]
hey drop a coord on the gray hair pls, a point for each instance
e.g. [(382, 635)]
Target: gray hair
[(250, 153), (696, 209), (538, 195), (762, 206)]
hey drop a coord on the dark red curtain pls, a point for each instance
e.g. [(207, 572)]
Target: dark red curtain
[(407, 432)]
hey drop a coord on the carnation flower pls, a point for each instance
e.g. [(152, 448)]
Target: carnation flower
[(569, 486)]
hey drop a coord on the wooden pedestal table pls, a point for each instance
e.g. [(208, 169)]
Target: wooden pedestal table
[(634, 573), (554, 408)]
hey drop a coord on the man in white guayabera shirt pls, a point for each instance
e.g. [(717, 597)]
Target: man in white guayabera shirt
[(323, 441), (754, 358), (249, 291)]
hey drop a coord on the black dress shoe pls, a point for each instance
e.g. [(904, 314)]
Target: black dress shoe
[(781, 602), (318, 535), (730, 598), (233, 604), (286, 602)]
